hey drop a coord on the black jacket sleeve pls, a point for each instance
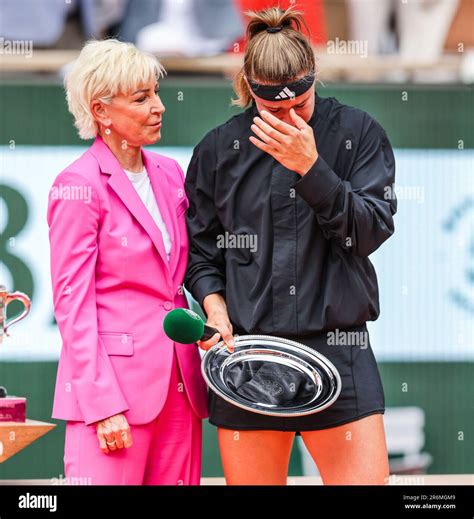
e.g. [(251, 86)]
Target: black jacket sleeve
[(206, 265), (357, 213)]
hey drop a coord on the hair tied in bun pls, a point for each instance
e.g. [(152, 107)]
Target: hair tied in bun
[(278, 28)]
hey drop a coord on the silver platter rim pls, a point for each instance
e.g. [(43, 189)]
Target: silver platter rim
[(269, 340)]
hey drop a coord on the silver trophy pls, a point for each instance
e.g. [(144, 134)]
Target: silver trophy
[(272, 376), (5, 299)]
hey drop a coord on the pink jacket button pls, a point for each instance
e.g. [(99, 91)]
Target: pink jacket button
[(168, 305)]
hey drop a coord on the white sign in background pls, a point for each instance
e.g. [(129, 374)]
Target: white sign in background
[(425, 271)]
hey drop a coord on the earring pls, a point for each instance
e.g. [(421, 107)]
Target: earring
[(107, 131)]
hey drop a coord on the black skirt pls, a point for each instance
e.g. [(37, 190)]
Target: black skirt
[(361, 394)]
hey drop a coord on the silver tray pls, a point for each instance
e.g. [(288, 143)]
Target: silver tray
[(271, 376)]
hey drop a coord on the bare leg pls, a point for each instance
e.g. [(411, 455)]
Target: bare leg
[(255, 457), (351, 454)]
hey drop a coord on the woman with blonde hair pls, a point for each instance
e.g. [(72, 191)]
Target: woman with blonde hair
[(133, 400), (305, 176)]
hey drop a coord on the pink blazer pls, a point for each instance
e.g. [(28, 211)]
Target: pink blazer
[(112, 287)]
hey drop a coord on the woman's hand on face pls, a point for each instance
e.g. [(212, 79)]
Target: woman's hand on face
[(292, 146), (219, 320), (114, 433)]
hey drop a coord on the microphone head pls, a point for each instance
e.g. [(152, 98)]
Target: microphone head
[(183, 325)]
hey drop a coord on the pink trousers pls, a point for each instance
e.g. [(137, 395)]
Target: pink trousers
[(166, 451)]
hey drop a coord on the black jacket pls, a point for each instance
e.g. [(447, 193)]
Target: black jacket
[(305, 265)]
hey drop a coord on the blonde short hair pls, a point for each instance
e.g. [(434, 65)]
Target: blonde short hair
[(103, 69)]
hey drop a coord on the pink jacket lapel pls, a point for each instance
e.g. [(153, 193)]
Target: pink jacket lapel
[(124, 189), (161, 188)]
